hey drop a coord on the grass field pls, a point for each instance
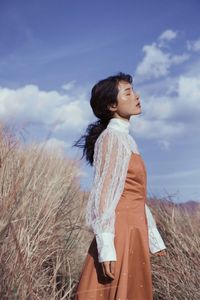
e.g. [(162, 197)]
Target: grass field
[(43, 241)]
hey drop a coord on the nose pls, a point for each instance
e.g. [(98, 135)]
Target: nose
[(137, 96)]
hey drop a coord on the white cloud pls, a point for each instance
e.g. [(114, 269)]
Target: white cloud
[(54, 145), (188, 102), (72, 116), (170, 108), (160, 108), (156, 63), (194, 45), (163, 115), (168, 35), (157, 129), (179, 59), (69, 86), (168, 117), (158, 60), (29, 104), (189, 91)]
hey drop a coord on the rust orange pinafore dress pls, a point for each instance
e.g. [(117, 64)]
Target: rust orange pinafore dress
[(133, 277)]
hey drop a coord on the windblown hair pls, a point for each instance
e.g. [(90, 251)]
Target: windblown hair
[(104, 93)]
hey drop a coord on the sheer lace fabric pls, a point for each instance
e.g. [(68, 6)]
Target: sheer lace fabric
[(111, 159), (156, 242)]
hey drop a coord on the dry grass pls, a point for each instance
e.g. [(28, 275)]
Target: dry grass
[(41, 206), (43, 241), (176, 276)]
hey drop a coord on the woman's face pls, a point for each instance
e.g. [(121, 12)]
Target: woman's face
[(128, 101)]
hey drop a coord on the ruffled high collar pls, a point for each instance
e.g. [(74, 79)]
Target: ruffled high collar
[(119, 124)]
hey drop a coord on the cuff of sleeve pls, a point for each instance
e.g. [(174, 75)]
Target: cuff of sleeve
[(156, 242), (106, 247)]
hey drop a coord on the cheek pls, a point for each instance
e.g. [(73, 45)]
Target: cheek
[(125, 106), (124, 98), (125, 101)]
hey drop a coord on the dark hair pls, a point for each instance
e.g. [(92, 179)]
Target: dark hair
[(103, 94)]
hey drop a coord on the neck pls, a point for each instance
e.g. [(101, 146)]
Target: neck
[(122, 125)]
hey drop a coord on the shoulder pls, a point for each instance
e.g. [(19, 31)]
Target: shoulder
[(106, 135), (110, 136)]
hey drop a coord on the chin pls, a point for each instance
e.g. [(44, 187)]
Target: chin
[(138, 113)]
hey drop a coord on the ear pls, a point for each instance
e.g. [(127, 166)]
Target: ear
[(112, 107)]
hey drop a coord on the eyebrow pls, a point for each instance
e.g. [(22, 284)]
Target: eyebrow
[(127, 89)]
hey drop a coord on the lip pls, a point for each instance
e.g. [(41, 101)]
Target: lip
[(139, 104)]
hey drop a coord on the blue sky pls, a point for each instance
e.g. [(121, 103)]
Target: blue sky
[(53, 52)]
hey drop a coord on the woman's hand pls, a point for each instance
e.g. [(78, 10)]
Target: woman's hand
[(108, 268)]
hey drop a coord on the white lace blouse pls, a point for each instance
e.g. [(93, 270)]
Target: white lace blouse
[(112, 153)]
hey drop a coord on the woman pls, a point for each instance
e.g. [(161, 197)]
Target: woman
[(117, 265)]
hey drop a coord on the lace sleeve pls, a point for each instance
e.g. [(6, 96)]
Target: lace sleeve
[(111, 160), (156, 242)]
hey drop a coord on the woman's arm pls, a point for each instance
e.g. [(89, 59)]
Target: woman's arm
[(111, 162), (156, 242)]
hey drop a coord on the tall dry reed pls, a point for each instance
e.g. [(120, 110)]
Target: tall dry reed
[(40, 217), (43, 239), (176, 276)]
